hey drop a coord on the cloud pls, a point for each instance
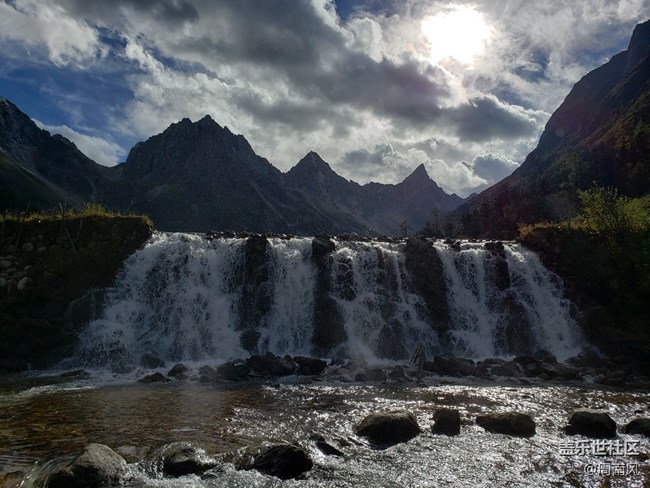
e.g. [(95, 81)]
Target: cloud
[(100, 150), (354, 81), (43, 24)]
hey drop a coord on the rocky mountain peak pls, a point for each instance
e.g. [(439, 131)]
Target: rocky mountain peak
[(639, 46)]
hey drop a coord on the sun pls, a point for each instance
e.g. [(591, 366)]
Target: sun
[(461, 34)]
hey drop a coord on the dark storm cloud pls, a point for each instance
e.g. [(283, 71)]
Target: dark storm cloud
[(486, 118), (168, 11)]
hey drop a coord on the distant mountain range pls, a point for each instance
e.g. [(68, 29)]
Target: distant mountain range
[(599, 135), (200, 176)]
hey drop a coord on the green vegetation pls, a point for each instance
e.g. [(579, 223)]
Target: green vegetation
[(603, 255), (89, 210)]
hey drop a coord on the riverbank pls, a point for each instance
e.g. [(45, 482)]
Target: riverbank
[(49, 266)]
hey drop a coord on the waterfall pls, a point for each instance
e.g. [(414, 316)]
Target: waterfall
[(184, 297)]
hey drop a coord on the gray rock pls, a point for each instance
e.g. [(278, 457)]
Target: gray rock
[(510, 369), (509, 423), (233, 371), (284, 461), (448, 366), (309, 366), (639, 425), (596, 424), (96, 467), (154, 378), (178, 370), (178, 459), (375, 374), (446, 421), (27, 247), (271, 365), (389, 427)]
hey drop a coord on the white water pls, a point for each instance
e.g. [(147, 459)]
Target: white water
[(179, 298)]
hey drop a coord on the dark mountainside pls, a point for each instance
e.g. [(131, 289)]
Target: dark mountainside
[(41, 169), (200, 176), (600, 134)]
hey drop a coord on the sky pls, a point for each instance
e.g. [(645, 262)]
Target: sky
[(376, 87)]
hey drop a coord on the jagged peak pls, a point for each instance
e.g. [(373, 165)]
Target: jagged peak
[(420, 173), (639, 45), (313, 160)]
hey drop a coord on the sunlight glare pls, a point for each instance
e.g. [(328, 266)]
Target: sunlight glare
[(461, 34)]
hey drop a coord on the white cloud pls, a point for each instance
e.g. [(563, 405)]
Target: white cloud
[(100, 150), (293, 77), (38, 23)]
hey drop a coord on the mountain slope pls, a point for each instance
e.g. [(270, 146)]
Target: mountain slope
[(58, 171), (600, 134)]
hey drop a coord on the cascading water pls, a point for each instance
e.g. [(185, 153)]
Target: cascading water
[(184, 297)]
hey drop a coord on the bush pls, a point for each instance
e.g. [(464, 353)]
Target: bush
[(606, 212)]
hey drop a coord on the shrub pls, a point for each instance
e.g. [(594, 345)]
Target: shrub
[(606, 212)]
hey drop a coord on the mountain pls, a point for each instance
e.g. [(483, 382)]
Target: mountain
[(198, 176), (43, 169), (600, 134)]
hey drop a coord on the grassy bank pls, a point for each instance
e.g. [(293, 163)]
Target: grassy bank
[(50, 261)]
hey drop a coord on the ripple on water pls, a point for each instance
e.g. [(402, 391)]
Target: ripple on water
[(41, 423)]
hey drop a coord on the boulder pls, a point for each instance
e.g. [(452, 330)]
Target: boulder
[(375, 374), (178, 370), (24, 283), (178, 459), (309, 366), (596, 424), (271, 365), (97, 466), (284, 461), (325, 447), (448, 366), (321, 246), (153, 378), (509, 423), (510, 369), (545, 356), (389, 427), (234, 371), (639, 425), (208, 374), (446, 421), (530, 365)]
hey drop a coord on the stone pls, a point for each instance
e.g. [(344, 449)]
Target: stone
[(448, 366), (325, 447), (5, 264), (639, 425), (284, 461), (509, 369), (96, 467), (233, 371), (596, 424), (27, 247), (11, 288), (177, 370), (389, 428), (153, 378), (151, 361), (179, 459), (321, 246), (508, 423), (309, 366), (271, 365), (545, 356), (208, 374), (446, 421), (375, 374)]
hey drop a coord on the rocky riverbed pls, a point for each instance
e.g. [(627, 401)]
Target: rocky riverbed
[(211, 425)]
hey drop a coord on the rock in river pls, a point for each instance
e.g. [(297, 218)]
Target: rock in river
[(509, 423), (389, 428), (591, 423)]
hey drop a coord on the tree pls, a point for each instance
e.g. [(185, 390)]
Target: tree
[(607, 212)]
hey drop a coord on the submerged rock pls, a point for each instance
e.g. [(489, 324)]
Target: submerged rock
[(271, 365), (179, 459), (596, 424), (177, 370), (510, 369), (233, 371), (309, 366), (509, 423), (325, 447), (639, 425), (97, 466), (389, 427), (153, 378), (375, 374), (448, 366), (446, 421), (284, 461)]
